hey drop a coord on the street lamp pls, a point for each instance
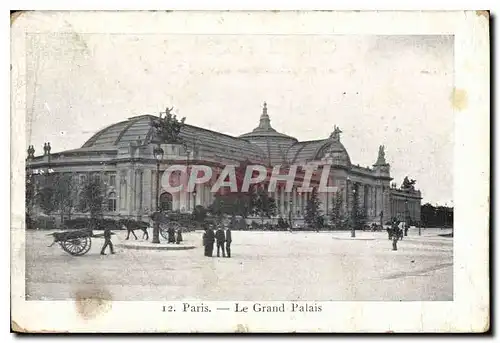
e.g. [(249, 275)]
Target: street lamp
[(158, 154), (407, 222), (353, 214), (188, 195), (348, 180), (445, 214), (194, 197)]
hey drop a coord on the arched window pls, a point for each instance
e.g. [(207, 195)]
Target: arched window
[(112, 202), (165, 201)]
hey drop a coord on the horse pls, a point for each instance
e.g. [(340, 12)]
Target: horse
[(132, 225)]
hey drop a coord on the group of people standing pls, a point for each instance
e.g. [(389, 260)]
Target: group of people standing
[(174, 236), (223, 238), (396, 228)]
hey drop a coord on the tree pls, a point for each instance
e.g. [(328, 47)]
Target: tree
[(436, 216), (92, 197), (313, 215), (56, 194), (29, 192), (199, 214), (233, 204), (358, 215), (222, 204), (46, 198), (337, 216), (264, 205)]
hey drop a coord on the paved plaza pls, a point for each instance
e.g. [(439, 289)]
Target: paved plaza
[(263, 266)]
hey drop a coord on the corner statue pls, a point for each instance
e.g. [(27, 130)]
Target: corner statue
[(335, 136), (381, 156), (408, 184)]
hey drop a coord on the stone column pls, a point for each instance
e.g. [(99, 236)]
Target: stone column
[(361, 196), (370, 201), (122, 190), (138, 192), (378, 200), (374, 201), (146, 187), (276, 198), (304, 203), (386, 199), (131, 190), (299, 202), (282, 201), (183, 196)]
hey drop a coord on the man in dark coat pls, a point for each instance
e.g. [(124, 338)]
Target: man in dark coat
[(205, 242), (219, 236), (210, 242), (178, 237), (107, 241), (228, 241), (171, 234)]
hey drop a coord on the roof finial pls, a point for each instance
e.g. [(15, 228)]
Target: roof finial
[(265, 122), (335, 136), (381, 156)]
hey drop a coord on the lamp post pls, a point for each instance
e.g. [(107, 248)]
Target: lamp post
[(290, 214), (445, 214), (194, 197), (158, 154), (354, 210), (347, 195), (407, 222)]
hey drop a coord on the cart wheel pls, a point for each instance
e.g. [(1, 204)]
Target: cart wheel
[(164, 231), (77, 246), (164, 228)]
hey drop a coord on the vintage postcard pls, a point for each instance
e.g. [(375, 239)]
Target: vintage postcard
[(262, 171)]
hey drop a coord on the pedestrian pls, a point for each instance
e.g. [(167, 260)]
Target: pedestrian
[(400, 228), (219, 236), (171, 234), (205, 242), (210, 238), (228, 242), (107, 241), (179, 236)]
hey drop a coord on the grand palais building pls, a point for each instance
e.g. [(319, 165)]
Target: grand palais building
[(122, 154)]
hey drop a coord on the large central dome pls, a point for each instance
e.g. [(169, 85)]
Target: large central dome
[(265, 129), (274, 143)]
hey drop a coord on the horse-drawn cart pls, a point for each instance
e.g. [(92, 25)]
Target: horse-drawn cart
[(75, 242), (164, 227)]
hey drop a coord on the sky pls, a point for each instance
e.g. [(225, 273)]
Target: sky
[(380, 90)]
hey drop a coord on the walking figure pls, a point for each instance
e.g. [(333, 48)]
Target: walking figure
[(107, 241), (208, 241), (171, 235), (228, 242), (178, 239), (220, 237)]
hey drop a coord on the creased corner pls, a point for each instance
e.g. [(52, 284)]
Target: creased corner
[(14, 15)]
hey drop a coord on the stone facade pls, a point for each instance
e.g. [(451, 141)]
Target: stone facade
[(122, 156)]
